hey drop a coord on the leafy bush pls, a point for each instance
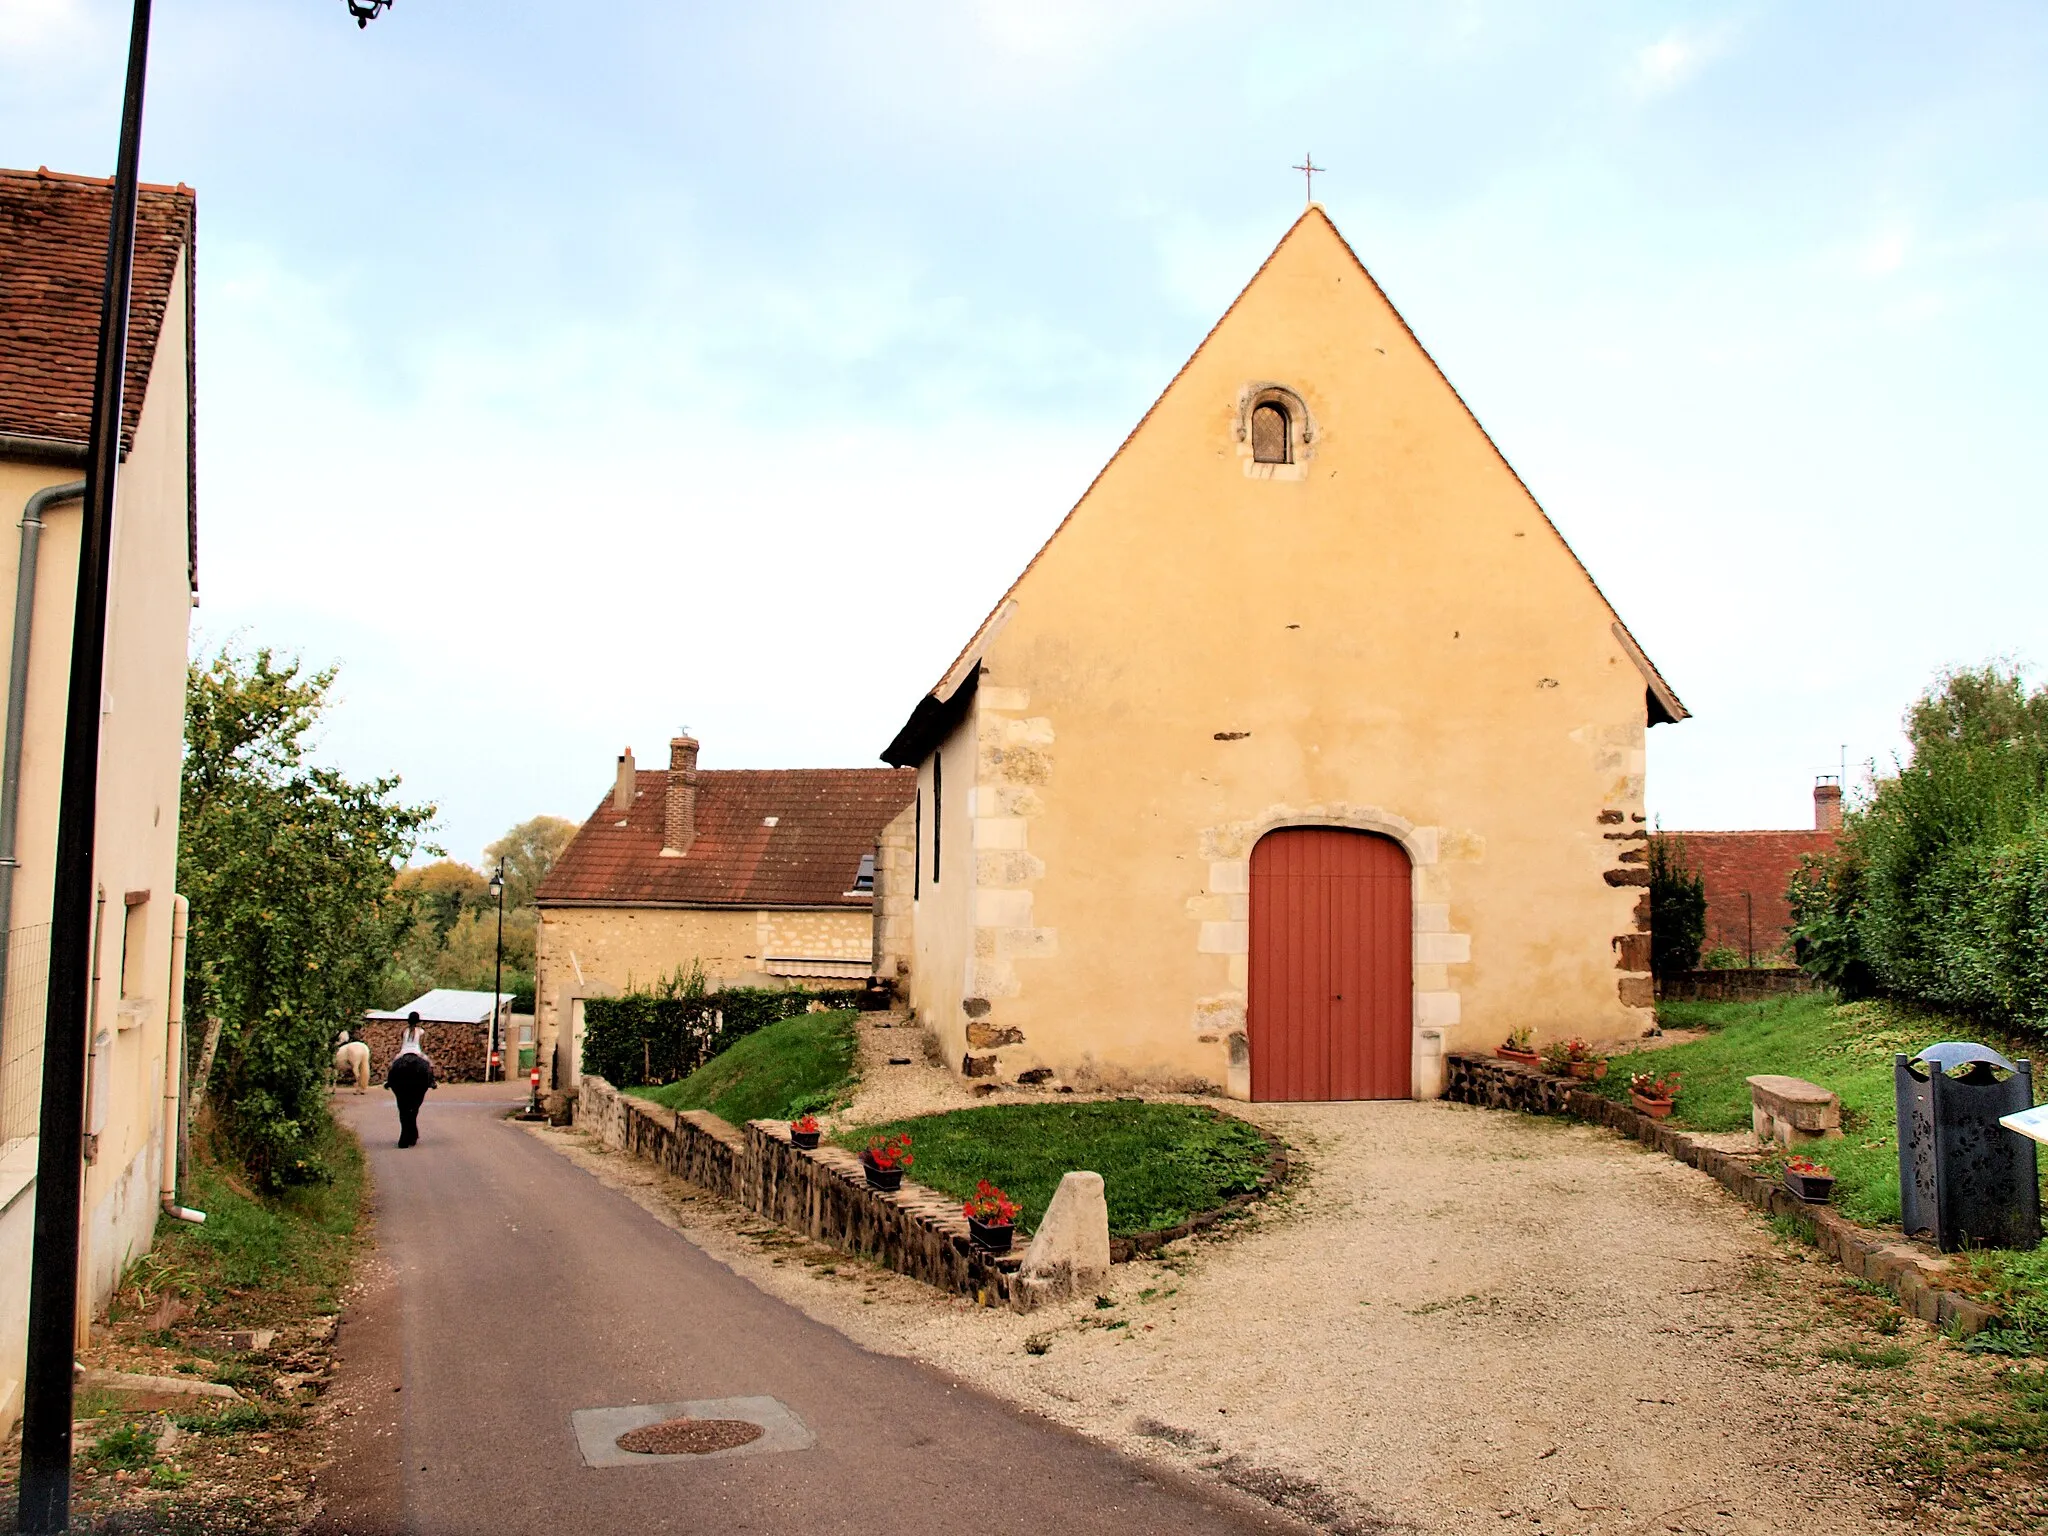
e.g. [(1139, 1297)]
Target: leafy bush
[(289, 868), (1678, 908), (667, 1032), (1938, 891)]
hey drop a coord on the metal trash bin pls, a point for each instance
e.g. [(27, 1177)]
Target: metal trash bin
[(1964, 1179)]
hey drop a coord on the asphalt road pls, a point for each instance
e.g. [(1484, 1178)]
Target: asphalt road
[(510, 1289)]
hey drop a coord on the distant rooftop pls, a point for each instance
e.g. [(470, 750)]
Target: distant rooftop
[(446, 1005)]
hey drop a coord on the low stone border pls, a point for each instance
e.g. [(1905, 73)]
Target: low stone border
[(823, 1193), (1910, 1273)]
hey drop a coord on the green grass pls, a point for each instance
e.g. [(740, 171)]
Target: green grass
[(125, 1448), (1160, 1163), (803, 1063), (254, 1252), (1847, 1047)]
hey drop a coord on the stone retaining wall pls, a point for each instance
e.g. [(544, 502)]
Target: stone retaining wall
[(1738, 985), (823, 1193), (1884, 1258)]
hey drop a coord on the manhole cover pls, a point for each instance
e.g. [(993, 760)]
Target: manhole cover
[(689, 1437)]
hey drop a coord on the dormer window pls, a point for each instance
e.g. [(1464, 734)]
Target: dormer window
[(1272, 434), (865, 880)]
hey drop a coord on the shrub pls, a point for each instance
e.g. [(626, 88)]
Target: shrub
[(667, 1032), (1678, 908), (1938, 891)]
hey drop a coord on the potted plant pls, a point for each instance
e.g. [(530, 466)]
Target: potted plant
[(1574, 1058), (804, 1132), (1810, 1181), (991, 1218), (885, 1159), (1520, 1047), (1652, 1093)]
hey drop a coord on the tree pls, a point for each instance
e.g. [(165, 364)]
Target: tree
[(442, 891), (1678, 908), (529, 851), (289, 868)]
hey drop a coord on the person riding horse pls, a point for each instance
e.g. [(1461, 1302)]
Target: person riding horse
[(409, 1076)]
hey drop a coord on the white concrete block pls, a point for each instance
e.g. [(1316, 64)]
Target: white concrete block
[(1443, 948), (1432, 917), (1002, 909), (1438, 1010), (1001, 831), (1422, 844), (1225, 939), (1230, 876)]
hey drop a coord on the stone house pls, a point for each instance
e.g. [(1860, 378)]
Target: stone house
[(53, 252), (1304, 751), (1746, 876), (764, 877)]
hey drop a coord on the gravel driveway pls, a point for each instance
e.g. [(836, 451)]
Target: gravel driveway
[(1454, 1320)]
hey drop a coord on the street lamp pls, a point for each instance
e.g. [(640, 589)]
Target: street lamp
[(498, 977), (44, 1499)]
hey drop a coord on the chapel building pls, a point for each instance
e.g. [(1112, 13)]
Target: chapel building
[(1303, 752)]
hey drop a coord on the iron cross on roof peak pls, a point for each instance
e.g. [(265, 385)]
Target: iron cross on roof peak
[(1308, 169)]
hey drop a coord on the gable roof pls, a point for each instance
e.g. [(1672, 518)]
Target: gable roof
[(53, 265), (942, 705), (824, 820)]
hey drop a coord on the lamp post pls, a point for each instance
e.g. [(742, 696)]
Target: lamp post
[(44, 1500), (498, 975)]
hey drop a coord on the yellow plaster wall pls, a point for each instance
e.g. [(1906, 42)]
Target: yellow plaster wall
[(1390, 636), (136, 835)]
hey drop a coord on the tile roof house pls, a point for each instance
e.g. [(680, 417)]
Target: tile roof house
[(53, 256), (761, 876)]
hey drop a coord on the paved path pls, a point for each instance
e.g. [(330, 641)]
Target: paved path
[(509, 1289)]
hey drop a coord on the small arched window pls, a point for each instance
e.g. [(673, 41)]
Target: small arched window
[(1272, 434)]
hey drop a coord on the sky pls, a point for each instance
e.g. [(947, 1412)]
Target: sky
[(569, 375)]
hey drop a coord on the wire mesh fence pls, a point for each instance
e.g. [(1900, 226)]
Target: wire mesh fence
[(21, 1031)]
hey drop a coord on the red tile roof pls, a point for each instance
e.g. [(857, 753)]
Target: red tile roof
[(825, 819), (1745, 875), (53, 263)]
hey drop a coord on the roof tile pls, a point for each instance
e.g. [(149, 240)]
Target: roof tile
[(825, 819)]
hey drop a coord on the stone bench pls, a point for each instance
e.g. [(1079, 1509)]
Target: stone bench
[(1790, 1110)]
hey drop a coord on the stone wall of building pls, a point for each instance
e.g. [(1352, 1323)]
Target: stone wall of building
[(895, 871)]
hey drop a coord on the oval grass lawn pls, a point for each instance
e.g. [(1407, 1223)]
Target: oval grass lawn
[(1160, 1163)]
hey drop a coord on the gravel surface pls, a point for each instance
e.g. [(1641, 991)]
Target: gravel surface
[(1453, 1320)]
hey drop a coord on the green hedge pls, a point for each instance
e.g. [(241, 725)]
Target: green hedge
[(659, 1036), (1938, 891)]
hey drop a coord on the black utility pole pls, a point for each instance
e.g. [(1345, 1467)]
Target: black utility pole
[(45, 1504)]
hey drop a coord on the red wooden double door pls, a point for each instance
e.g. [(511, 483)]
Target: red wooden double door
[(1330, 1009)]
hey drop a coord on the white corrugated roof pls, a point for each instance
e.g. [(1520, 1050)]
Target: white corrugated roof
[(445, 1005)]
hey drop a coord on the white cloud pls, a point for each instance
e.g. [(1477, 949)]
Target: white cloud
[(1673, 60)]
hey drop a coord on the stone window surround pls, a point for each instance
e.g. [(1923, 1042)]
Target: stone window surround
[(1303, 432), (1437, 947)]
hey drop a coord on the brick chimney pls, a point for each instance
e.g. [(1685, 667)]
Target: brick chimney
[(1827, 804), (623, 787), (679, 824)]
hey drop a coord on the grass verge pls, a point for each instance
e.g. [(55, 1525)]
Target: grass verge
[(804, 1063), (1160, 1163)]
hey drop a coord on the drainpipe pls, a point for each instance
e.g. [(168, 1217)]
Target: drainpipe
[(174, 1060), (17, 698)]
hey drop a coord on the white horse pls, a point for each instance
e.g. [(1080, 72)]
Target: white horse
[(353, 1060)]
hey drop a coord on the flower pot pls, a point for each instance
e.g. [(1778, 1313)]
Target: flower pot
[(1509, 1053), (808, 1140), (992, 1235), (1585, 1071), (886, 1179), (1656, 1109), (1813, 1188)]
